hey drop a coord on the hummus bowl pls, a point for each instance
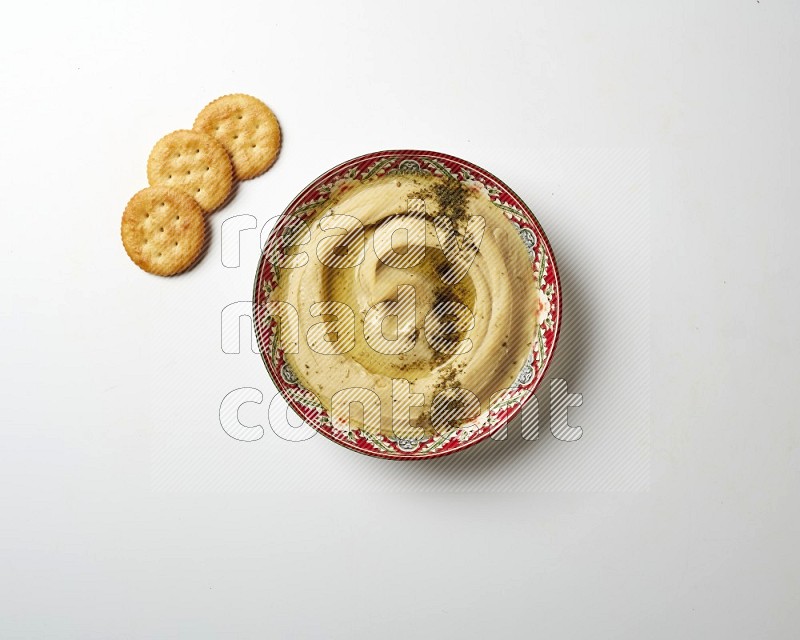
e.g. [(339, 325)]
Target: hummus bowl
[(407, 304)]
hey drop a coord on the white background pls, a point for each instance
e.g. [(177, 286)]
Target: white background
[(655, 141)]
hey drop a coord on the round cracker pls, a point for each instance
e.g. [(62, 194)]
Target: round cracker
[(195, 163), (247, 128), (163, 230)]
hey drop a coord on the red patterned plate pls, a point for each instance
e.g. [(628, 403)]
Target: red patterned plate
[(542, 263)]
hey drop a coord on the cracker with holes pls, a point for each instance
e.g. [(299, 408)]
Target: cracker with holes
[(247, 128), (195, 163), (163, 230)]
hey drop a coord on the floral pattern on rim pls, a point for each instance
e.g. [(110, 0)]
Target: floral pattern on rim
[(307, 405)]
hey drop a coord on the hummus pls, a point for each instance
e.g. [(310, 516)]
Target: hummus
[(415, 304)]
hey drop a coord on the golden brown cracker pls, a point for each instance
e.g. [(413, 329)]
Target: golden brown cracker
[(195, 163), (247, 128), (163, 230)]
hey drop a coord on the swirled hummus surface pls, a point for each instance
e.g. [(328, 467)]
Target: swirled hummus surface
[(407, 287)]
